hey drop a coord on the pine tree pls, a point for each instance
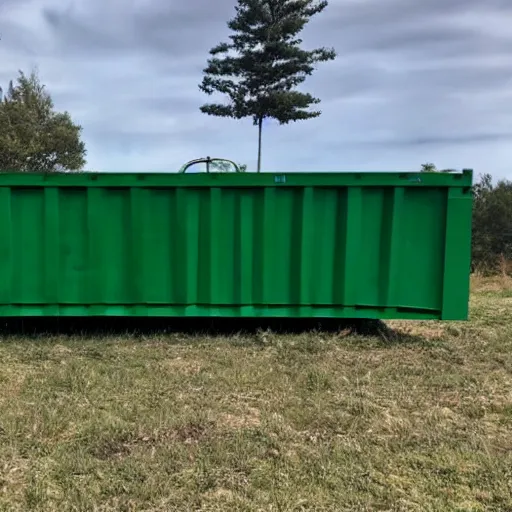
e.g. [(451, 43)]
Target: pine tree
[(263, 64), (33, 137)]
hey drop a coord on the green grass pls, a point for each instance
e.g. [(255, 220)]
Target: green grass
[(416, 422)]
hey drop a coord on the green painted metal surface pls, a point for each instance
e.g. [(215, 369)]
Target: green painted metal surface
[(347, 245)]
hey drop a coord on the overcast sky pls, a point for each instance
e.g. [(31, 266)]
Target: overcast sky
[(415, 81)]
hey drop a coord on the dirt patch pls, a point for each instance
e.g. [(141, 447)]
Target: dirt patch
[(123, 445), (192, 433), (111, 448), (250, 418), (180, 365), (426, 330), (11, 382), (13, 476), (188, 433), (61, 350)]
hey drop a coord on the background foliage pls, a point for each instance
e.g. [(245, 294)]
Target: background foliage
[(33, 136), (492, 223)]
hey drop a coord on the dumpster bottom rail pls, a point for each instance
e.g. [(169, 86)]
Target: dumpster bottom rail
[(205, 311)]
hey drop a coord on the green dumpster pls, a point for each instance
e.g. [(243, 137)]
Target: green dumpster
[(294, 245)]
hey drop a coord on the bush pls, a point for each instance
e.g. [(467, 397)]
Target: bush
[(492, 225)]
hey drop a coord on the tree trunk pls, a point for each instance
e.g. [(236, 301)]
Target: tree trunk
[(260, 126)]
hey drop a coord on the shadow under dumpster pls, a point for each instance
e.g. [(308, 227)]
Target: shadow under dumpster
[(34, 326)]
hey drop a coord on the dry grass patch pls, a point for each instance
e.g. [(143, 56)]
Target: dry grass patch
[(495, 284)]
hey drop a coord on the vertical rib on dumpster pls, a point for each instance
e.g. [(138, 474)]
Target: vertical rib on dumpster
[(391, 248), (323, 245), (187, 245), (137, 262), (96, 283), (246, 248), (306, 250), (216, 231), (6, 263), (352, 269), (51, 245), (268, 243)]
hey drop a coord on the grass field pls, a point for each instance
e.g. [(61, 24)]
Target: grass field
[(419, 421)]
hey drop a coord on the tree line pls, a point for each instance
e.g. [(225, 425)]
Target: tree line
[(258, 73), (492, 226)]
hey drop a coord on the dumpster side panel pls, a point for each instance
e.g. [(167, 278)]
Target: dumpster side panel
[(457, 255), (325, 251)]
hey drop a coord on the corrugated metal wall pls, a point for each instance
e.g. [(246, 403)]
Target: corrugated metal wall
[(364, 247)]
